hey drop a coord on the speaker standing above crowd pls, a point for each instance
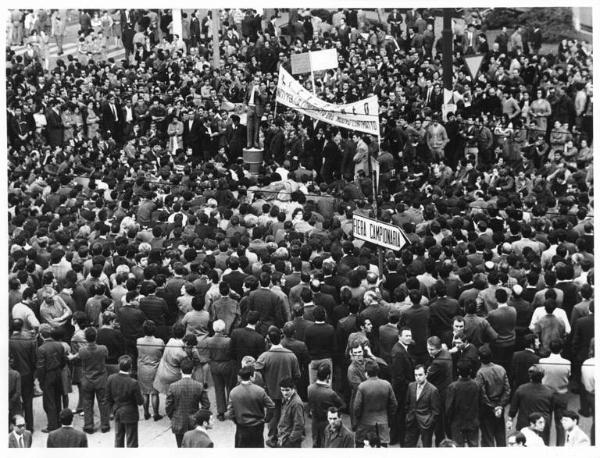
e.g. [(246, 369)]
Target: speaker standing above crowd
[(142, 248)]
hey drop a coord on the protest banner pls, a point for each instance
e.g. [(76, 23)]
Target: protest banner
[(362, 116)]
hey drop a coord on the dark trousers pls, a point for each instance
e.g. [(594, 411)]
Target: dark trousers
[(274, 421), (27, 395), (463, 436), (126, 430), (179, 439), (493, 430), (591, 400), (413, 431), (318, 432), (440, 425), (250, 436), (222, 375), (51, 399), (59, 43), (252, 128), (584, 404), (89, 392), (587, 127), (560, 405), (398, 424)]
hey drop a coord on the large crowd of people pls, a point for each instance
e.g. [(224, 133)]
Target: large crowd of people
[(149, 264)]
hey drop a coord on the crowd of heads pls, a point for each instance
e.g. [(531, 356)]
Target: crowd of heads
[(500, 192)]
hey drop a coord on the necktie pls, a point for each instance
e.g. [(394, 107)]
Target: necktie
[(21, 445), (114, 110)]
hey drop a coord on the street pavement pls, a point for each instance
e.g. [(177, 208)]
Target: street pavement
[(151, 433), (117, 53), (70, 45), (158, 433)]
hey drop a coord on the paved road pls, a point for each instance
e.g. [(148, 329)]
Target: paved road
[(70, 46)]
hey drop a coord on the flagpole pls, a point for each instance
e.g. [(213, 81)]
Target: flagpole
[(312, 75), (376, 203), (312, 81)]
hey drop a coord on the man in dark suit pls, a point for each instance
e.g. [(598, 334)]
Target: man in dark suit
[(374, 406), (123, 396), (442, 311), (402, 368), (55, 130), (276, 364), (522, 361), (22, 350), (320, 398), (85, 21), (267, 303), (247, 341), (300, 323), (439, 374), (462, 407), (324, 300), (275, 148), (464, 351), (564, 276), (67, 436), (93, 380), (255, 100), (194, 29), (191, 133), (532, 397), (19, 437), (583, 332), (14, 390), (156, 309), (111, 117), (388, 337), (236, 136), (300, 349), (51, 359), (248, 407), (235, 279), (416, 318), (198, 437), (422, 409), (347, 262), (131, 321), (184, 398)]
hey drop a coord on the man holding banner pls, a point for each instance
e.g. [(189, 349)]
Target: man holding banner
[(361, 158)]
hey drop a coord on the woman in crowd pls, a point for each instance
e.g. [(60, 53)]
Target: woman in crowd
[(168, 368), (150, 352)]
